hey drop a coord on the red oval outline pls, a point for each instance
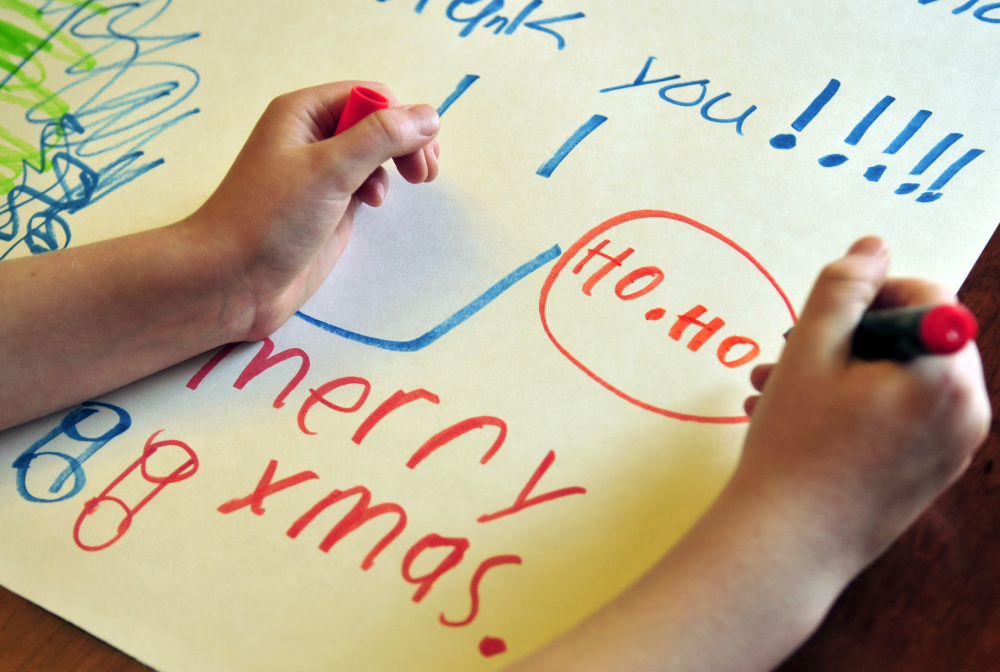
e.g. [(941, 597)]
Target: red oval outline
[(610, 224)]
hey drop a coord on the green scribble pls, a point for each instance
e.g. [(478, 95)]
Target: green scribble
[(22, 48)]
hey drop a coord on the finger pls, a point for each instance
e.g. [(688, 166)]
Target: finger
[(372, 192), (311, 114), (759, 376), (902, 292), (844, 290), (750, 404), (353, 155), (420, 166)]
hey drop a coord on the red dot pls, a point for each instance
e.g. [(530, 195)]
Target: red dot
[(656, 314), (492, 646)]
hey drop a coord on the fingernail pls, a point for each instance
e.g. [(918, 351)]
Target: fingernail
[(427, 119), (869, 246)]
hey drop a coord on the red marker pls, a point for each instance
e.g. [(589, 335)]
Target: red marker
[(902, 334), (361, 102)]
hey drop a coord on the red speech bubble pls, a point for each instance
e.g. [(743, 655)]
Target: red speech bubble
[(666, 316)]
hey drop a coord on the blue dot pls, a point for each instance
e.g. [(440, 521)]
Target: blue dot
[(833, 160), (907, 188), (874, 174), (929, 196), (783, 141)]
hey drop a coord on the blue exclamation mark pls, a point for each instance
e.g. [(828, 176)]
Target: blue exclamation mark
[(832, 160), (874, 174), (788, 140), (933, 192), (928, 161)]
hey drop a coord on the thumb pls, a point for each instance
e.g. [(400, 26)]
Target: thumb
[(842, 293), (354, 154)]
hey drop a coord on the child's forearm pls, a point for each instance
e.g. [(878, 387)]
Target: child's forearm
[(86, 321), (746, 586), (78, 323)]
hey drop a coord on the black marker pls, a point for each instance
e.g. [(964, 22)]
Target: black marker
[(902, 334)]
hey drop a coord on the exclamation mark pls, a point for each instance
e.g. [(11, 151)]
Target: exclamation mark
[(788, 140), (928, 161), (933, 192), (832, 160), (874, 174)]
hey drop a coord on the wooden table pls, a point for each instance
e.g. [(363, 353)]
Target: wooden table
[(931, 603)]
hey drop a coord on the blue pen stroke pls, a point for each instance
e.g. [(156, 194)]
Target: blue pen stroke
[(458, 318), (91, 133), (549, 167), (986, 12), (462, 87)]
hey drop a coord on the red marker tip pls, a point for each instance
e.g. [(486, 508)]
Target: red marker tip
[(361, 102), (947, 328)]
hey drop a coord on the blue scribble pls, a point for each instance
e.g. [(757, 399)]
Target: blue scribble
[(99, 146), (69, 427), (458, 318), (488, 17)]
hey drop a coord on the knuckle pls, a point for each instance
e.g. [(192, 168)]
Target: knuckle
[(390, 126), (281, 103), (841, 270)]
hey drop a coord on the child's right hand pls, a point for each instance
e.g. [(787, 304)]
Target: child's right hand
[(857, 450), (283, 214)]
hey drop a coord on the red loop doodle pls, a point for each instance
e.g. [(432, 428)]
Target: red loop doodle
[(182, 472)]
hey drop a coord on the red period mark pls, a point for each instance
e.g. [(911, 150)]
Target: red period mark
[(492, 646), (184, 471), (625, 291)]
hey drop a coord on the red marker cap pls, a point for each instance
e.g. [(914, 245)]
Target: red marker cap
[(946, 328), (361, 102)]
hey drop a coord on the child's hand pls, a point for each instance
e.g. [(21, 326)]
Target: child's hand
[(283, 215), (858, 449)]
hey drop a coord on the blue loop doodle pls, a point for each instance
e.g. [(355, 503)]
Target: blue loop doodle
[(69, 427)]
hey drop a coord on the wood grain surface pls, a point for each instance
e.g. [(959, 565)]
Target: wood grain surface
[(931, 603)]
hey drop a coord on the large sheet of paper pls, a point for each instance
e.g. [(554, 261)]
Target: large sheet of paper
[(524, 381)]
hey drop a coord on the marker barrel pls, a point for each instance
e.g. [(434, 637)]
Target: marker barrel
[(903, 334), (361, 102)]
